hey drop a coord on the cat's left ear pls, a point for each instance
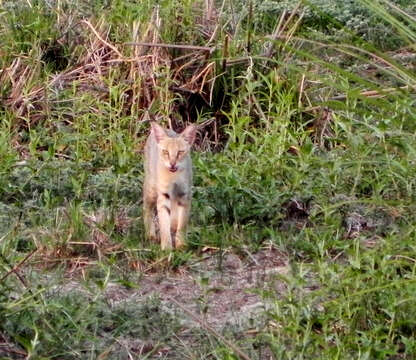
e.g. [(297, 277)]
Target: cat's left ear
[(189, 134)]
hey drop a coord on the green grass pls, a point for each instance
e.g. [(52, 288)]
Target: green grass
[(333, 190)]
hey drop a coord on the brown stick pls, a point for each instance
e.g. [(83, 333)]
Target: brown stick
[(225, 54), (17, 267), (250, 18), (14, 351), (259, 109), (234, 347), (172, 46)]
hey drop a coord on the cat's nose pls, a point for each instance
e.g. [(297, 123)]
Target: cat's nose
[(173, 168)]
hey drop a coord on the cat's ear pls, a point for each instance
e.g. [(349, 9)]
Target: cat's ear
[(189, 134), (158, 131)]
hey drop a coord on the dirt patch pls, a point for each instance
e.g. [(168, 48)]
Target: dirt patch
[(220, 290)]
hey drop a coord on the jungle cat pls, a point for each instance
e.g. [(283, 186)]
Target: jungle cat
[(167, 184)]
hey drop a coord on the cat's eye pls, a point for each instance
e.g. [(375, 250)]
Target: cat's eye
[(165, 152), (180, 152)]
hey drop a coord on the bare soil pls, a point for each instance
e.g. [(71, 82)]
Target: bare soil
[(220, 291)]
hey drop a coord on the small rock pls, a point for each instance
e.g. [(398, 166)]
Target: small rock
[(232, 262)]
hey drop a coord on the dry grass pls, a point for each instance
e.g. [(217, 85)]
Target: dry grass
[(144, 66)]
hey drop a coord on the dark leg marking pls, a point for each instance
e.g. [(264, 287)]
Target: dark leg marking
[(178, 191), (173, 237), (167, 209)]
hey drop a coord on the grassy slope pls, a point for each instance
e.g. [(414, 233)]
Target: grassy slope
[(336, 193)]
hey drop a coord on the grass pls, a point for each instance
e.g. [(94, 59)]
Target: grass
[(311, 153)]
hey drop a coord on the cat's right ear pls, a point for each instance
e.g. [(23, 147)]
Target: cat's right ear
[(158, 131), (189, 134)]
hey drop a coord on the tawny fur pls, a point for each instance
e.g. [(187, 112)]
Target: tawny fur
[(167, 184)]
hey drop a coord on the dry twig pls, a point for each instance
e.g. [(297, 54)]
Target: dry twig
[(173, 46), (201, 322), (15, 268)]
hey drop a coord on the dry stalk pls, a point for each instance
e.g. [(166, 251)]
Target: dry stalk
[(16, 267), (281, 27), (173, 46), (86, 22), (214, 33), (301, 88), (221, 338), (147, 60)]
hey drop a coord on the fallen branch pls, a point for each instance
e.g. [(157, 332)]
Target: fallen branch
[(14, 270), (173, 46)]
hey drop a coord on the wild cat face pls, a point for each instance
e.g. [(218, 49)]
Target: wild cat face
[(173, 150)]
